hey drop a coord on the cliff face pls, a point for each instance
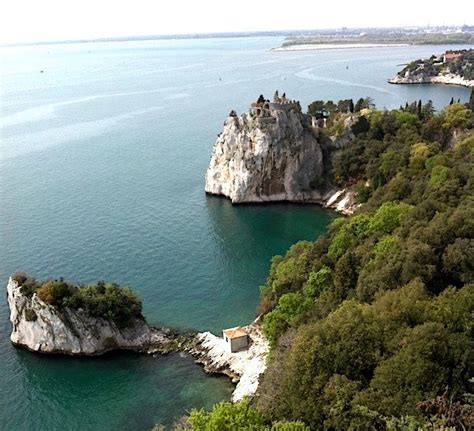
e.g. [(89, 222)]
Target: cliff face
[(42, 328), (452, 67), (272, 153), (423, 78), (268, 157)]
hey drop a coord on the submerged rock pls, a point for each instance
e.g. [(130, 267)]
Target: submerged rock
[(41, 327)]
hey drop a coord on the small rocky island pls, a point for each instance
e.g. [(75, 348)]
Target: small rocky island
[(452, 67), (275, 152), (58, 317)]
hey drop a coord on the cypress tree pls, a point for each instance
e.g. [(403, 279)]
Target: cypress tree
[(418, 109)]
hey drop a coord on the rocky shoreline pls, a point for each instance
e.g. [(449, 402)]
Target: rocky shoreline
[(449, 79), (243, 368), (41, 328)]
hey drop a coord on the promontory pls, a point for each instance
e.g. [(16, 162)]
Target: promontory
[(451, 67), (275, 152)]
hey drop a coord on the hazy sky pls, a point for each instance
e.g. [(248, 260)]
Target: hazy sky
[(35, 20)]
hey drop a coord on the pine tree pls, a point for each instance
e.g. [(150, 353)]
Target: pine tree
[(471, 100)]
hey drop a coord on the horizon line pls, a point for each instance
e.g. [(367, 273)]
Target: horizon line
[(215, 35)]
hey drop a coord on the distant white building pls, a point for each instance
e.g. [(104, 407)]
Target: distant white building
[(236, 338)]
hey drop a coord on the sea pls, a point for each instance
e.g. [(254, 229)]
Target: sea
[(103, 151)]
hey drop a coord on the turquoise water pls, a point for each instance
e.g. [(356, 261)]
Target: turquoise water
[(102, 166)]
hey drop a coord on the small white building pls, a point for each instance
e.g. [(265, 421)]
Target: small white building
[(236, 338)]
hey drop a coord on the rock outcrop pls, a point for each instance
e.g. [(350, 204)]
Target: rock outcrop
[(423, 78), (454, 67), (268, 154), (274, 153), (243, 367), (41, 327)]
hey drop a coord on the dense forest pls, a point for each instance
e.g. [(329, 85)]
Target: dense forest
[(372, 325)]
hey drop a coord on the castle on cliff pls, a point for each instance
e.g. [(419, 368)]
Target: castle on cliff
[(263, 107), (262, 110)]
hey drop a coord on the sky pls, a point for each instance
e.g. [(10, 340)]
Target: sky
[(45, 20)]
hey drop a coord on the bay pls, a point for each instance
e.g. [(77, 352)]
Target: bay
[(103, 152)]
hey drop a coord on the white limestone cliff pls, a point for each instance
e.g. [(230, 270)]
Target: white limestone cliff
[(272, 153), (40, 327), (423, 78), (268, 154)]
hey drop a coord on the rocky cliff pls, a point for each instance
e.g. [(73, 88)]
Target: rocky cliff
[(452, 67), (41, 327), (272, 153), (423, 78)]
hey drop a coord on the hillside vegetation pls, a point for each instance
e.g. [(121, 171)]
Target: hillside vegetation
[(373, 321), (372, 325)]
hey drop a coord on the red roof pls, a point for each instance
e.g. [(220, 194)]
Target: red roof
[(451, 56), (236, 332)]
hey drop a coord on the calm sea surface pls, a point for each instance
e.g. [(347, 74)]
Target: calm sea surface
[(102, 164)]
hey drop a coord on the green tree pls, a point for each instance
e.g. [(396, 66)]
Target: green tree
[(290, 308), (227, 416)]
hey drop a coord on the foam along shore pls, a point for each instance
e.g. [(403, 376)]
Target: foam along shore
[(243, 367), (325, 46)]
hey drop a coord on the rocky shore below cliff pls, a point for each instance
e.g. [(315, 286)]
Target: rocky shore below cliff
[(243, 367), (454, 67)]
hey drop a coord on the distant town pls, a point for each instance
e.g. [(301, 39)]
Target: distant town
[(401, 35), (462, 34)]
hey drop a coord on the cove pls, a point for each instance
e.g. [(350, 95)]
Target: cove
[(102, 177)]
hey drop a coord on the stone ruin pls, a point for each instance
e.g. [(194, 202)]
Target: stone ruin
[(262, 108)]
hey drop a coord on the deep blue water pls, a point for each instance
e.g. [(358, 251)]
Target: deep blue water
[(102, 164)]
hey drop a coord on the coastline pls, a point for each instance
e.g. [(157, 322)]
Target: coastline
[(324, 46), (448, 79)]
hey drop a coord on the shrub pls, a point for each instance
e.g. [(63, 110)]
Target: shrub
[(227, 416), (105, 300), (30, 315), (19, 277)]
